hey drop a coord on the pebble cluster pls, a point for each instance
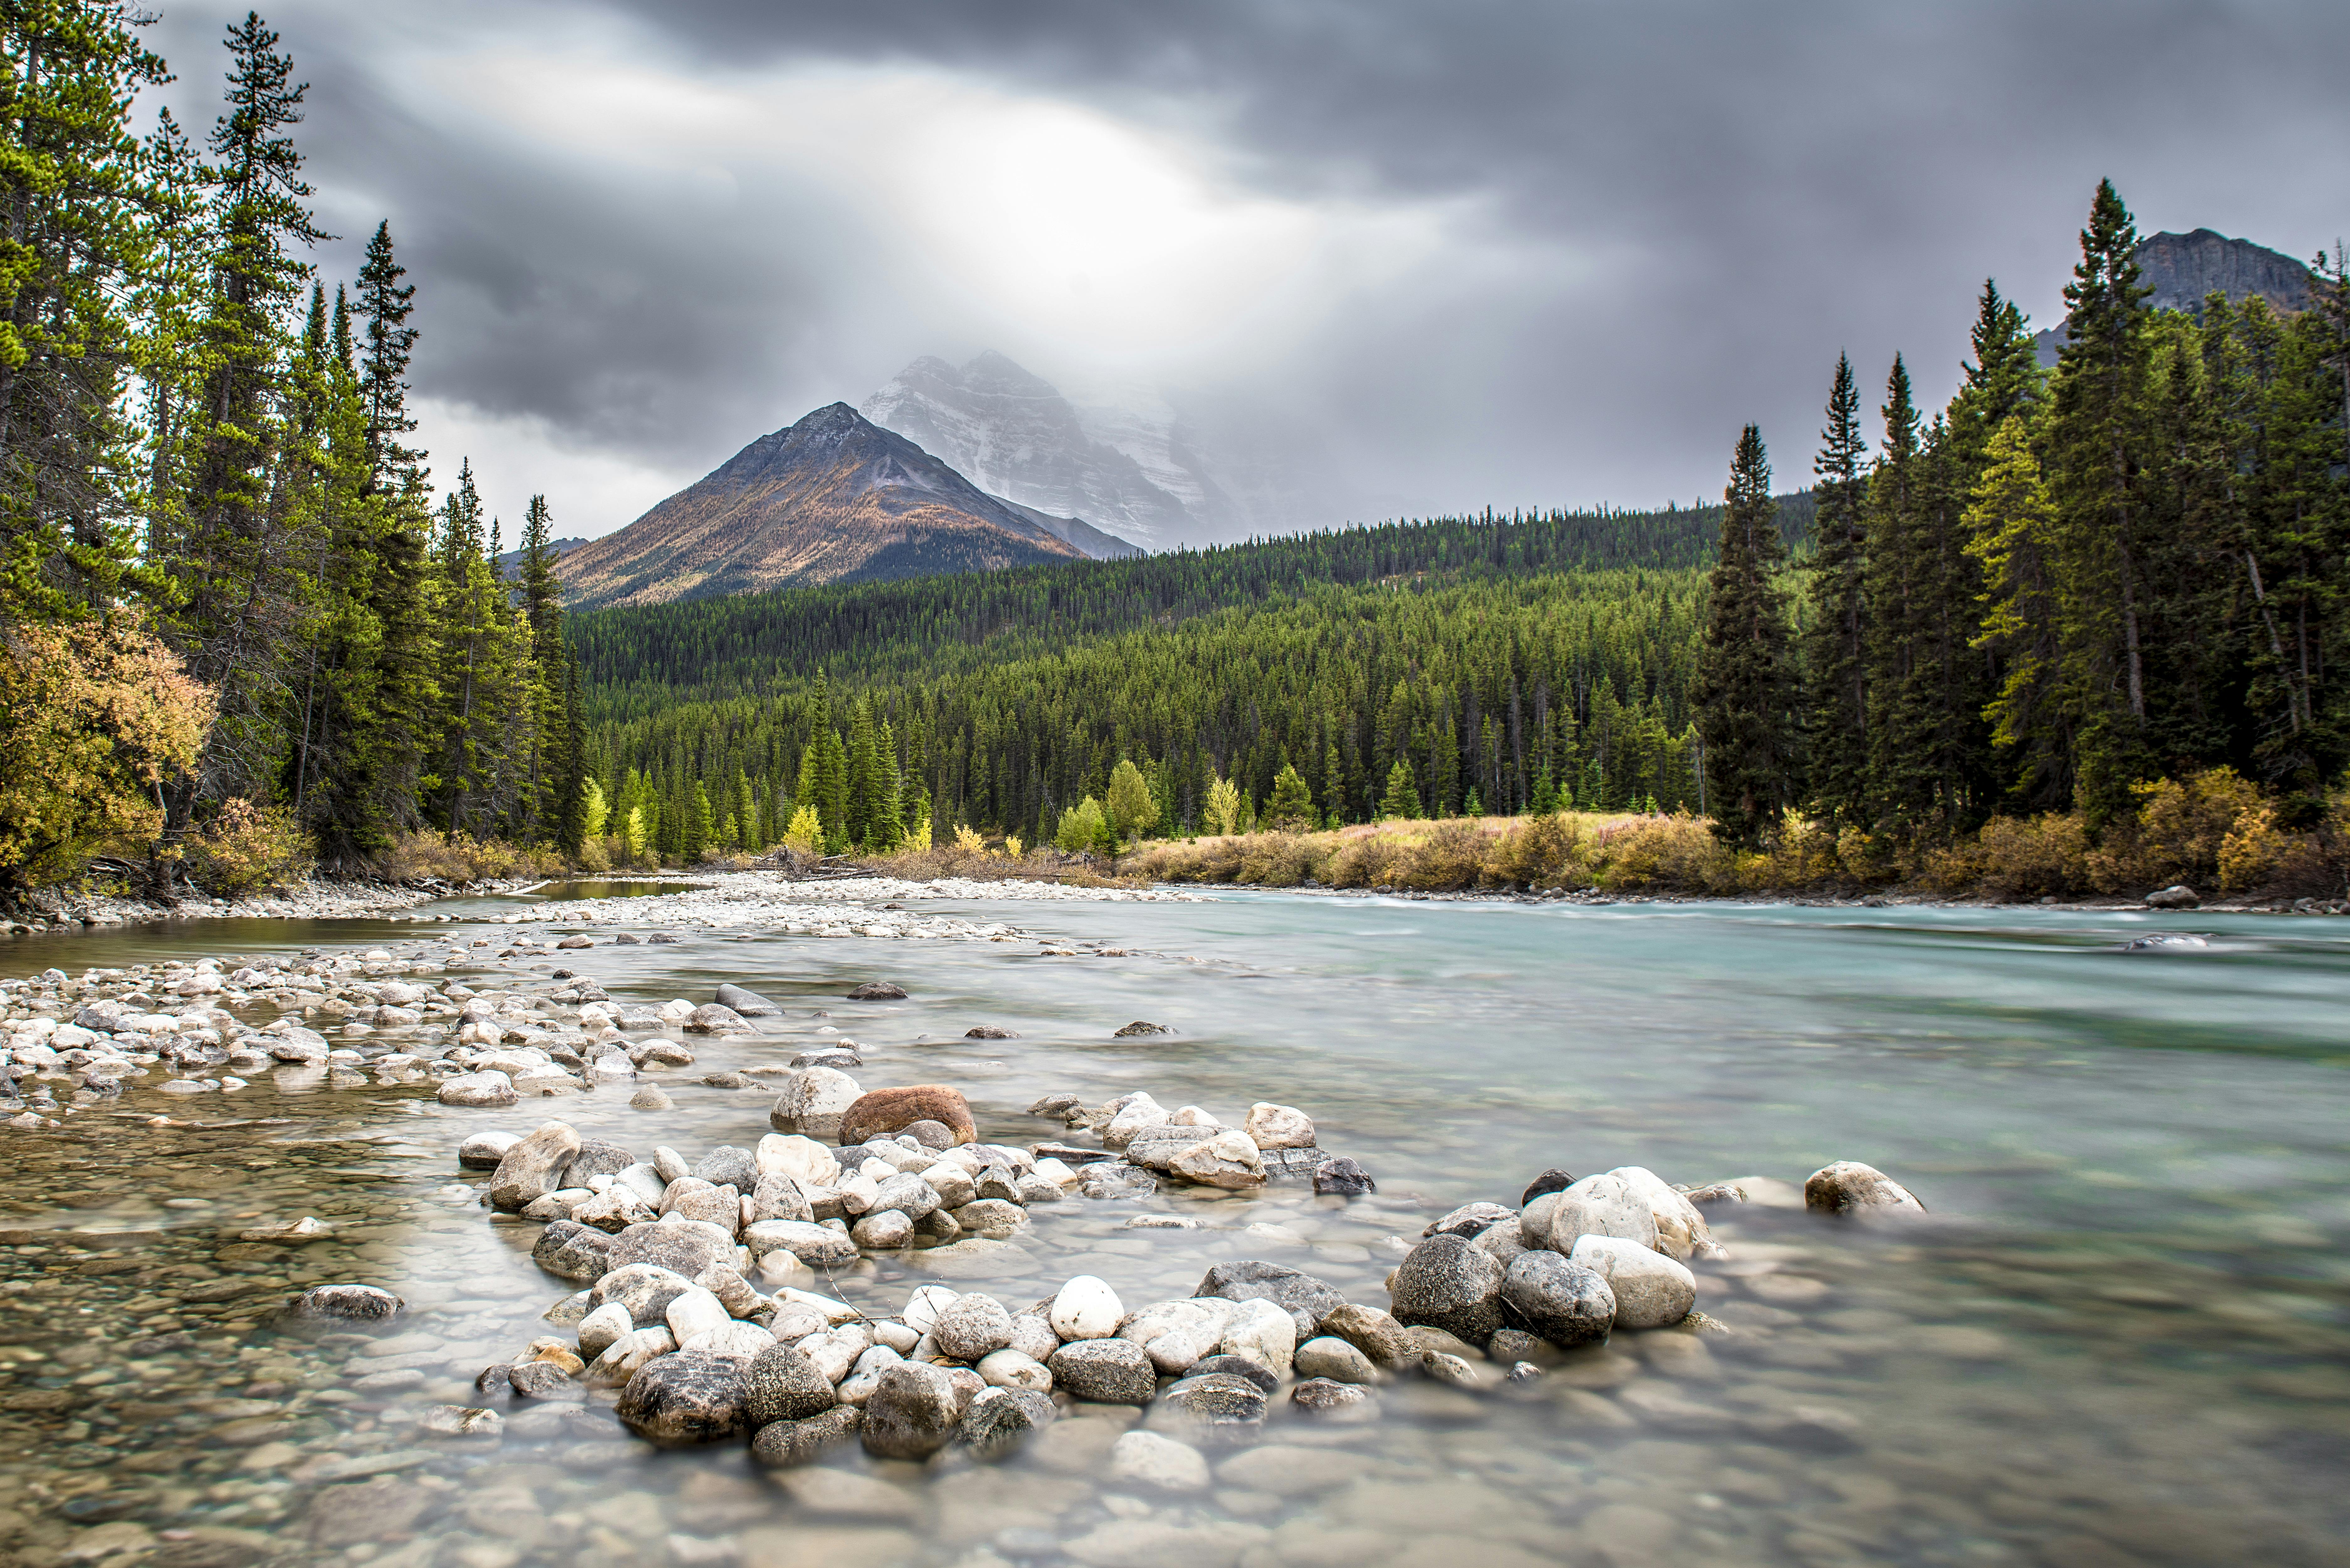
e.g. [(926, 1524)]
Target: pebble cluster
[(689, 1351)]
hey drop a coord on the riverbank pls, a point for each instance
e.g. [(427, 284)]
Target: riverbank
[(2225, 848)]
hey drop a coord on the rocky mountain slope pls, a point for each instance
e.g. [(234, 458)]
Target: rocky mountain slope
[(832, 499), (2184, 269)]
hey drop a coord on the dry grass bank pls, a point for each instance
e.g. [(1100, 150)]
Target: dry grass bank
[(2216, 832)]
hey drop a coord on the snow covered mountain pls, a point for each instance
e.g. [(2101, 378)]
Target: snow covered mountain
[(1125, 458)]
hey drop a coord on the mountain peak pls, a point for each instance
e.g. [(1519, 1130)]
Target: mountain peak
[(831, 498)]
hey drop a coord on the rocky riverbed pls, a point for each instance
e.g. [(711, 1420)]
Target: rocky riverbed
[(2020, 1378)]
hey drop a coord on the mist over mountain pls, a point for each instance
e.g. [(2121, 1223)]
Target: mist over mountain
[(832, 499), (1126, 457)]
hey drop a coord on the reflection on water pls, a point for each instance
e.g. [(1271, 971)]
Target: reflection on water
[(612, 887), (2120, 1340)]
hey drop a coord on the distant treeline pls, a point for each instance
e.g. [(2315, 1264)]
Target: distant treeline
[(1507, 660)]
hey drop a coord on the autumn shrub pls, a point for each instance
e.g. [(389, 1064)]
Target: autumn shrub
[(1673, 854), (2177, 834), (1276, 859), (1449, 858), (2023, 858), (1542, 851), (248, 847), (426, 855), (1368, 858), (94, 715)]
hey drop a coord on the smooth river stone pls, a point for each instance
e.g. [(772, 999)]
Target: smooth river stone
[(1651, 1290)]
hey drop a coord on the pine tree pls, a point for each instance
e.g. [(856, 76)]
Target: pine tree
[(2096, 460), (75, 260), (1745, 690), (390, 342), (2014, 536), (1133, 811), (1400, 803), (236, 572), (1289, 807), (1835, 639)]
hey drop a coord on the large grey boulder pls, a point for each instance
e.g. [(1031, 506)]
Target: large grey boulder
[(1000, 1420), (1470, 1221), (912, 1412), (345, 1303), (1651, 1290), (685, 1398), (1107, 1371), (782, 1384), (485, 1149), (817, 1097), (818, 1246), (1567, 1303), (778, 1197), (1602, 1205), (644, 1289), (973, 1326), (571, 1250), (683, 1246), (727, 1166), (596, 1157), (532, 1167), (1306, 1298), (1445, 1282)]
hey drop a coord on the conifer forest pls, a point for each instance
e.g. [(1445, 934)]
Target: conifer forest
[(249, 626)]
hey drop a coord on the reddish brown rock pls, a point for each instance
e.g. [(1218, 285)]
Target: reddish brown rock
[(884, 1113)]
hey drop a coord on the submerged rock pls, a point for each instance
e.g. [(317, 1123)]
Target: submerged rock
[(747, 1004), (884, 1113), (684, 1399), (878, 991), (781, 1444), (352, 1304), (1107, 1371), (1849, 1186), (912, 1412), (1343, 1179)]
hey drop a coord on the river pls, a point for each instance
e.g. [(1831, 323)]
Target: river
[(2119, 1339)]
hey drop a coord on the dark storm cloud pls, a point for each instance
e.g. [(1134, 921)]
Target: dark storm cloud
[(1688, 209)]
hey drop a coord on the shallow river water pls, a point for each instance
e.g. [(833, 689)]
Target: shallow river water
[(2120, 1338)]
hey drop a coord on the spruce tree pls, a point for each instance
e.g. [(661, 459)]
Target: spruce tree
[(383, 368), (1401, 802), (1289, 807), (1835, 638), (1745, 691), (2096, 458), (2013, 530)]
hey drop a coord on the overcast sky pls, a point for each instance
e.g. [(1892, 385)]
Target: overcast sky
[(1457, 254)]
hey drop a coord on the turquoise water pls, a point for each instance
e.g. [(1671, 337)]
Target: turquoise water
[(2120, 1338)]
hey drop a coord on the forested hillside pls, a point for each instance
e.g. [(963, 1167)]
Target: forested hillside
[(239, 630), (1508, 658), (2026, 610)]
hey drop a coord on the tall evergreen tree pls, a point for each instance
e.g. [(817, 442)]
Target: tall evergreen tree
[(2096, 459), (236, 570), (1835, 638), (383, 368), (74, 258), (1745, 691)]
